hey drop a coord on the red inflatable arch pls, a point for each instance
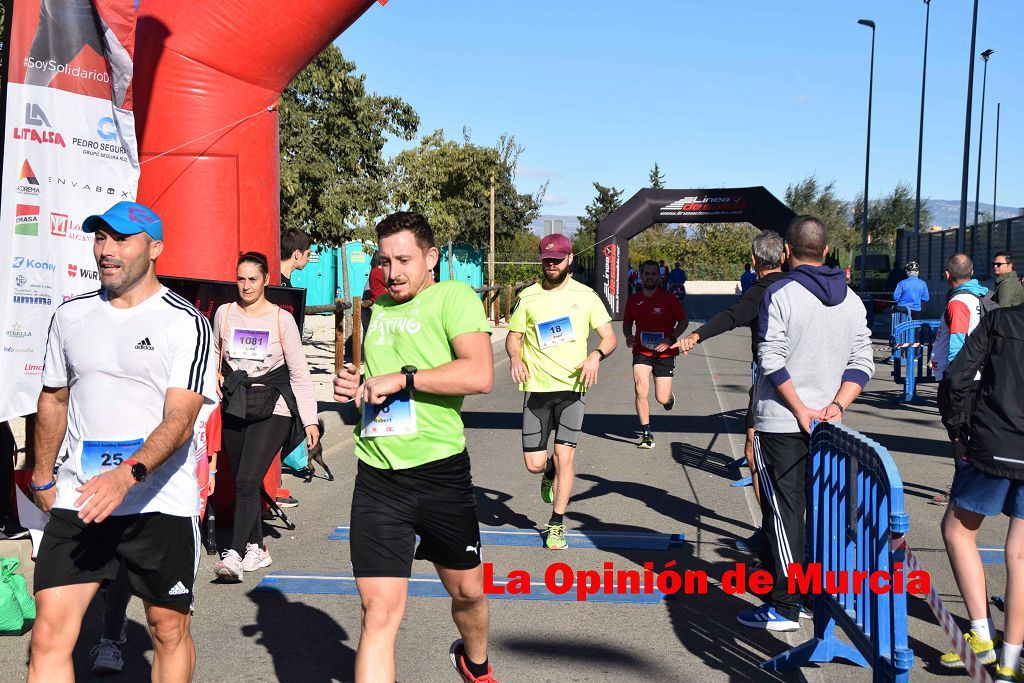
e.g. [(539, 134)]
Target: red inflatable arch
[(203, 66)]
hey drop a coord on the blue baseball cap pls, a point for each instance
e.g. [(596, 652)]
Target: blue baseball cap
[(127, 218)]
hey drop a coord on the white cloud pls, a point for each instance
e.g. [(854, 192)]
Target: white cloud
[(554, 199), (527, 171)]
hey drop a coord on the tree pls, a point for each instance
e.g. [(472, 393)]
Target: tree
[(607, 200), (888, 214), (809, 196), (450, 183), (332, 134), (656, 178)]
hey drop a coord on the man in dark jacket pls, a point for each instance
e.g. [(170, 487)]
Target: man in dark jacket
[(768, 252), (988, 416), (1009, 290)]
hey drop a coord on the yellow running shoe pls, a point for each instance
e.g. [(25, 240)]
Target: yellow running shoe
[(1008, 674), (985, 650), (555, 537)]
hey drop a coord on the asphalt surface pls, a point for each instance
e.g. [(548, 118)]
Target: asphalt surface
[(681, 486)]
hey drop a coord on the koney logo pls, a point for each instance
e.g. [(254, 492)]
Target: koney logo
[(28, 184), (42, 137), (35, 116), (26, 220), (35, 264)]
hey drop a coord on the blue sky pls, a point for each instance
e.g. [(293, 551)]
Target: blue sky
[(720, 92)]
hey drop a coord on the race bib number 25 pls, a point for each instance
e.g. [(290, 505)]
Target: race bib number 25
[(102, 456)]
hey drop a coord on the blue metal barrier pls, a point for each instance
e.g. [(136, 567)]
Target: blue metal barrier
[(856, 509), (899, 315), (912, 364)]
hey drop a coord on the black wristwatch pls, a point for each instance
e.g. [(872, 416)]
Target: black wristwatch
[(410, 372), (139, 471), (601, 353)]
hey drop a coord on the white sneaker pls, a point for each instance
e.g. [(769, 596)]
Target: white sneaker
[(230, 566), (256, 557), (107, 657)]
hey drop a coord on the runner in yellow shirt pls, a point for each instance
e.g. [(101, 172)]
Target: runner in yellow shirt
[(547, 350)]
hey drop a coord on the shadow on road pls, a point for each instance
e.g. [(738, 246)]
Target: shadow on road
[(305, 643)]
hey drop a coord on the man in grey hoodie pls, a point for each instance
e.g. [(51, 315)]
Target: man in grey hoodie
[(815, 356)]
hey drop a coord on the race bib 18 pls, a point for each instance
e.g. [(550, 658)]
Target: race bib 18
[(394, 417), (555, 332)]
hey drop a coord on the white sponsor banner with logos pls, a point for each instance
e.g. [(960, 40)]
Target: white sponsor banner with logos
[(63, 161)]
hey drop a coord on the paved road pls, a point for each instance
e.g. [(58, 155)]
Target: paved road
[(681, 486)]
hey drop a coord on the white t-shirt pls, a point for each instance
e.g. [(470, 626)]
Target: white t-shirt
[(118, 364)]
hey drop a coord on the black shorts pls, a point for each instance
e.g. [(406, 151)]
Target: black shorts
[(390, 507), (662, 367), (160, 552), (547, 411), (750, 409)]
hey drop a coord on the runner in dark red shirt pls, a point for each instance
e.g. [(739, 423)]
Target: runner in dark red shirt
[(660, 319)]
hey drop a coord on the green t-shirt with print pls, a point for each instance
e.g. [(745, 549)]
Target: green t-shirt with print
[(556, 325), (419, 332)]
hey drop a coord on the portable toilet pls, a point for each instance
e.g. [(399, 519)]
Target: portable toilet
[(358, 256), (468, 264), (319, 277)]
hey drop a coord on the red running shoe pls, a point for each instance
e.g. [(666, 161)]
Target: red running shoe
[(457, 653)]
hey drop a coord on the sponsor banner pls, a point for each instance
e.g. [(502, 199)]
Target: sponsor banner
[(68, 152), (705, 205)]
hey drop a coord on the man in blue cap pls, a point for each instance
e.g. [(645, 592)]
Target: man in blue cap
[(126, 370)]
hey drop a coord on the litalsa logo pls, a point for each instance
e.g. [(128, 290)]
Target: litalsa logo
[(15, 332), (42, 137), (706, 203)]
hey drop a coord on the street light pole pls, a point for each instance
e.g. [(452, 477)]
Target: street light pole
[(995, 171), (867, 164), (981, 136), (961, 233), (920, 134)]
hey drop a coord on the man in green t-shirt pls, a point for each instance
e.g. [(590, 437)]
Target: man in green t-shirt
[(427, 347), (547, 350)]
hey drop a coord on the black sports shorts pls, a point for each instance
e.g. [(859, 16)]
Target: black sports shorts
[(661, 367), (390, 507), (160, 552), (547, 411)]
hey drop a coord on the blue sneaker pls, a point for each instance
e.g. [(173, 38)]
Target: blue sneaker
[(765, 617), (752, 544)]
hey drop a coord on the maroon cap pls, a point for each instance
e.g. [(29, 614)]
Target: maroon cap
[(555, 246)]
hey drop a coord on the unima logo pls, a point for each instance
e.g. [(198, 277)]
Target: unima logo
[(26, 220), (28, 184)]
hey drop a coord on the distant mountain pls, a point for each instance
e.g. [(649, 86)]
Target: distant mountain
[(570, 224), (946, 212)]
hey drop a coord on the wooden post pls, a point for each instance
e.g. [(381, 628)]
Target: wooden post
[(490, 260), (344, 276), (451, 261), (496, 306), (508, 303), (339, 337), (357, 331)]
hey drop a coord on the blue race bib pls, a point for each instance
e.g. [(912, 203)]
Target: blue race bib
[(555, 332), (394, 417), (102, 456)]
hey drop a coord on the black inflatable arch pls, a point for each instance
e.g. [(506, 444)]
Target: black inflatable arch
[(754, 205)]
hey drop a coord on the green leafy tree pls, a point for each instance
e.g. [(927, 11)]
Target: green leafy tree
[(810, 196), (607, 200), (892, 212), (450, 183), (656, 179), (332, 134)]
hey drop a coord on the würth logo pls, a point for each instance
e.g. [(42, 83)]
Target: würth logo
[(145, 345)]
